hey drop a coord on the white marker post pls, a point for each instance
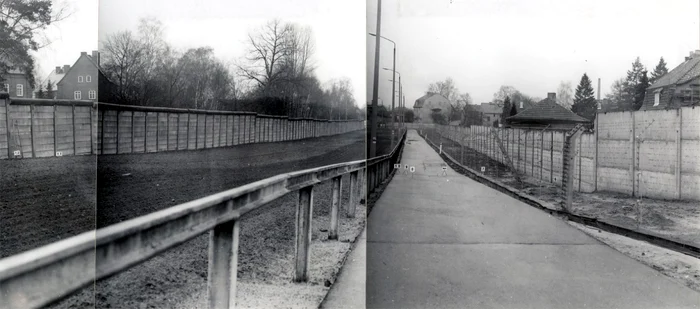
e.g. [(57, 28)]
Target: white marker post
[(444, 170), (413, 170), (397, 166), (440, 148), (483, 169)]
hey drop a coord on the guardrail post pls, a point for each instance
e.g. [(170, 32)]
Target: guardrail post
[(303, 233), (352, 199), (223, 264), (335, 206)]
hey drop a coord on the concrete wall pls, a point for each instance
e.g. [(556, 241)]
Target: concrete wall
[(651, 153), (46, 128)]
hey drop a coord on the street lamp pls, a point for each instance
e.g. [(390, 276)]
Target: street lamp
[(400, 87), (392, 85), (373, 119)]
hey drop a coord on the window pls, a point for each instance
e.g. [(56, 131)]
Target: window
[(92, 95), (521, 105), (20, 90), (657, 96), (88, 78), (80, 79), (77, 95)]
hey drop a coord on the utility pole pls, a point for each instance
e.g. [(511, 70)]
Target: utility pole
[(393, 97), (375, 86)]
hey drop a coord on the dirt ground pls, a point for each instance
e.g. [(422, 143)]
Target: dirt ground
[(133, 185), (45, 200)]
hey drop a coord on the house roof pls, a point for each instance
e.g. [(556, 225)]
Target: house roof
[(53, 77), (683, 73), (490, 108), (548, 110), (89, 58), (420, 101)]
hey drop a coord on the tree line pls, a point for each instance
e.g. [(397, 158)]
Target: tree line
[(276, 76)]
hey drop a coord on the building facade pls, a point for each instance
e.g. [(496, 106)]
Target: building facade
[(17, 84), (81, 81), (679, 87), (428, 104)]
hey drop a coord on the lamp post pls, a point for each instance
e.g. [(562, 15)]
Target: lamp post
[(373, 119), (392, 85), (400, 90)]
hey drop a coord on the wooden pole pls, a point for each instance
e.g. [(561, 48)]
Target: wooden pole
[(132, 131), (55, 143), (7, 123), (335, 206), (304, 215), (223, 264), (352, 198), (31, 128)]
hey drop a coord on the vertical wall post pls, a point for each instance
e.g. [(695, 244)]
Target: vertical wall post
[(352, 200), (157, 131), (145, 132), (336, 184), (31, 128), (679, 150), (75, 142), (117, 132), (304, 215), (55, 143), (633, 142), (223, 264), (595, 159), (7, 123), (132, 131), (551, 158)]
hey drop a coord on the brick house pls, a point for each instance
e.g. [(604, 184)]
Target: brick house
[(429, 103), (679, 87), (83, 80), (546, 113), (16, 83)]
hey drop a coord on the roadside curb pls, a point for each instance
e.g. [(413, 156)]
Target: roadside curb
[(657, 240)]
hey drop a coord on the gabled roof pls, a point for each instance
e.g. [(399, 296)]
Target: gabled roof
[(490, 108), (683, 73), (548, 110), (89, 58), (53, 77), (419, 103)]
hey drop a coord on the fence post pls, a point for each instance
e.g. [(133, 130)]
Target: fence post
[(117, 146), (352, 199), (55, 144), (132, 130), (335, 206), (31, 128), (7, 123), (679, 149), (223, 264), (303, 233), (551, 158), (595, 159), (633, 142)]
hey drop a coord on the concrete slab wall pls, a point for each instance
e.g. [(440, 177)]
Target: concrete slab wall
[(45, 128), (646, 153)]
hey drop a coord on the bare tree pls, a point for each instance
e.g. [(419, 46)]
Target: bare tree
[(565, 94), (123, 65), (266, 49)]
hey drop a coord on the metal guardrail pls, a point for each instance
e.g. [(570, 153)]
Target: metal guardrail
[(41, 276)]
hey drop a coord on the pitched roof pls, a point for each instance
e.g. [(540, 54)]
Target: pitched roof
[(53, 77), (490, 108), (683, 73), (548, 110), (420, 101)]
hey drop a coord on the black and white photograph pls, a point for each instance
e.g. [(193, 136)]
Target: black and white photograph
[(379, 154)]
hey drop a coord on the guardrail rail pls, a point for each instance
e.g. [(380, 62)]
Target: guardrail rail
[(44, 275)]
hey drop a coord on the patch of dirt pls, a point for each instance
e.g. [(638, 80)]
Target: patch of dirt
[(680, 267)]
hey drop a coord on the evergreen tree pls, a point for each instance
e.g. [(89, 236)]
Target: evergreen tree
[(506, 110), (585, 104), (659, 71), (40, 94), (49, 90), (640, 91), (513, 110), (634, 77)]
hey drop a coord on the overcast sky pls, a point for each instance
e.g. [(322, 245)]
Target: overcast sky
[(69, 37), (531, 45), (338, 28)]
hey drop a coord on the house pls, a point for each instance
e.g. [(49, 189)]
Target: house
[(16, 83), (546, 113), (430, 103), (54, 78), (679, 87), (83, 80), (490, 113)]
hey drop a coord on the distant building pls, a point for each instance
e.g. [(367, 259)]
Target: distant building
[(546, 113), (490, 113), (679, 87), (429, 103), (84, 80), (54, 78), (16, 83)]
